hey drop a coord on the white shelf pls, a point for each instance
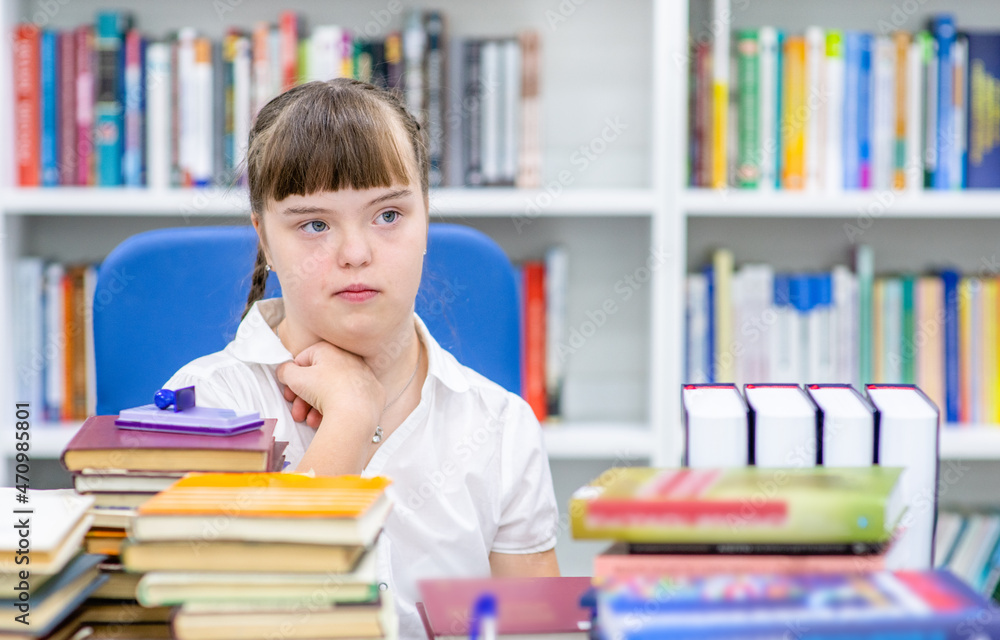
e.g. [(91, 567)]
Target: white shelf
[(204, 203), (852, 205), (970, 442), (598, 441), (563, 441)]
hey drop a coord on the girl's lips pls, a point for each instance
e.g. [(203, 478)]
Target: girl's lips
[(353, 294)]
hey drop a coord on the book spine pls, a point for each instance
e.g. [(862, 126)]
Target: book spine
[(720, 96), (289, 39), (534, 338), (394, 62), (108, 107), (722, 266), (529, 173), (943, 30), (908, 337), (27, 109), (959, 106), (915, 91), (865, 111), (203, 112), (556, 289), (833, 163), (748, 128), (132, 161), (967, 288), (85, 106), (472, 122), (883, 110), (414, 48), (158, 130), (815, 107), (261, 67), (901, 46), (794, 114), (852, 102), (434, 28), (769, 91), (242, 101), (50, 108), (983, 163), (950, 281), (865, 268), (702, 171), (67, 107)]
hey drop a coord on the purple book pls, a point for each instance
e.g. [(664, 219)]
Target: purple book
[(197, 420)]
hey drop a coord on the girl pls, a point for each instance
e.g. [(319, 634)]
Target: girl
[(338, 178)]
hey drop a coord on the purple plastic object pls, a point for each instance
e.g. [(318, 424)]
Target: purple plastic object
[(199, 420)]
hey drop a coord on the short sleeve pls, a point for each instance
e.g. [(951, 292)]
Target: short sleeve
[(529, 517)]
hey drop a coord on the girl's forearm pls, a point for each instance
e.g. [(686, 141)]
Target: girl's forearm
[(340, 446)]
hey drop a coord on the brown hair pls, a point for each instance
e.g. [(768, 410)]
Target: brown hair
[(327, 136)]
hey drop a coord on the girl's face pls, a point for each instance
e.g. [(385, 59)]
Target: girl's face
[(349, 263)]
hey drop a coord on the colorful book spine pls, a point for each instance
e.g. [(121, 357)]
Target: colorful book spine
[(983, 164), (748, 123), (289, 52), (720, 96), (953, 398), (49, 61), (27, 104), (109, 109), (133, 161), (795, 114), (943, 31), (534, 338), (901, 108), (67, 107), (434, 65), (85, 138)]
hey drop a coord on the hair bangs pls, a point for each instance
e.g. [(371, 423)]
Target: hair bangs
[(342, 141)]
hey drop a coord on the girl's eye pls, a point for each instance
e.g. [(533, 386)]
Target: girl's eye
[(388, 217), (315, 226)]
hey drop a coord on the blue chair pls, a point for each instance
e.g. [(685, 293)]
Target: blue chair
[(168, 296)]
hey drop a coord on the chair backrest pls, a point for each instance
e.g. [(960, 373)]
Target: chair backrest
[(168, 296)]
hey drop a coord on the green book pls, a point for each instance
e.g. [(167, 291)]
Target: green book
[(742, 505), (748, 151), (908, 346), (865, 268)]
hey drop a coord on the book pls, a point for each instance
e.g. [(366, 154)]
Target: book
[(715, 426), (744, 505), (230, 556), (619, 561), (846, 425), (55, 600), (526, 607), (783, 426), (99, 444), (54, 520), (178, 587), (194, 420), (907, 423), (983, 164), (879, 604), (273, 507)]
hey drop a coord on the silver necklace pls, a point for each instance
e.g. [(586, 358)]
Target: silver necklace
[(377, 436)]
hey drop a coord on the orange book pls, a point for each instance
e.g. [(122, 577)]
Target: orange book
[(267, 507), (794, 114), (533, 377), (289, 54), (901, 39), (27, 104)]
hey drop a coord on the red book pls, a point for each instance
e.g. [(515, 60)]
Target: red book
[(84, 139), (524, 606), (67, 107), (533, 379), (27, 104), (289, 54), (617, 562), (101, 445)]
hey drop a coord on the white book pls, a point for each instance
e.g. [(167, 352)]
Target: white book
[(914, 117), (57, 521), (414, 46), (696, 293), (769, 83), (55, 340), (715, 426), (456, 111), (844, 329), (556, 287), (159, 123), (203, 126), (833, 163), (883, 129), (511, 53), (29, 345), (783, 422), (820, 329), (89, 290), (325, 52), (242, 99), (848, 426), (815, 124), (908, 425), (753, 288), (785, 337), (261, 67), (275, 72), (187, 103), (489, 72)]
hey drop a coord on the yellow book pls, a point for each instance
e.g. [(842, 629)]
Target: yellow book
[(720, 95), (929, 337), (988, 351), (725, 358), (901, 40), (266, 507), (795, 113)]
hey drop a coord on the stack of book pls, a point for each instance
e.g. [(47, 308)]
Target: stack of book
[(264, 555), (45, 577)]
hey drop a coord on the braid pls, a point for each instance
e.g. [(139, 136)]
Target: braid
[(259, 280)]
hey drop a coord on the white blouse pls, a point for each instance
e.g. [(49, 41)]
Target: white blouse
[(469, 469)]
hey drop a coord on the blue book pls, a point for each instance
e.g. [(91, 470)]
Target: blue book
[(895, 605), (134, 158), (109, 108), (857, 109), (56, 599), (710, 329), (943, 31), (982, 168), (952, 393), (49, 67)]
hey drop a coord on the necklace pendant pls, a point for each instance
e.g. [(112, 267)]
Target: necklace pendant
[(377, 438)]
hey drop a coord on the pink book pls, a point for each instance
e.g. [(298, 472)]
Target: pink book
[(84, 37), (101, 445), (616, 562), (67, 107), (524, 605)]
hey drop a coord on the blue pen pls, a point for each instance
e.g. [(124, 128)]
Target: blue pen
[(484, 618)]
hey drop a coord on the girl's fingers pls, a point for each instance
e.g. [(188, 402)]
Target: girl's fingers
[(314, 418), (288, 393), (300, 409)]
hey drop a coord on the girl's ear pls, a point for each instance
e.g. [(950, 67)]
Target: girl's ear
[(259, 228)]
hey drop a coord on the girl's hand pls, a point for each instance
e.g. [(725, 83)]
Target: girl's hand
[(324, 378)]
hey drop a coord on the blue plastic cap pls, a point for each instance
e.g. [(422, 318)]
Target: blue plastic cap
[(782, 295), (799, 292), (486, 606), (821, 292)]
